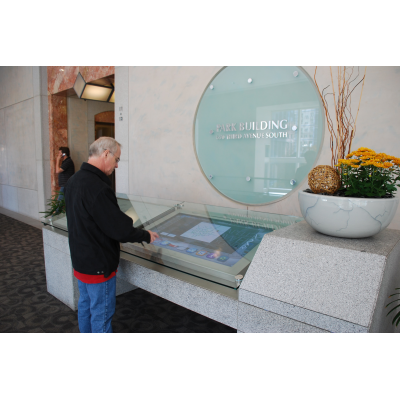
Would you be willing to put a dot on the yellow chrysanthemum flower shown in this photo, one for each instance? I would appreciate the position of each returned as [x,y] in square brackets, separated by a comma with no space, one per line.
[363,149]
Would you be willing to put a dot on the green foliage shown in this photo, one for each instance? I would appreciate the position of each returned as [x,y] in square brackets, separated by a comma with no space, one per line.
[365,173]
[396,318]
[55,206]
[368,181]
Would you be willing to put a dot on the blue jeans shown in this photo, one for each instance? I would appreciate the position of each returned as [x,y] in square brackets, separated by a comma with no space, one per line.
[61,195]
[96,306]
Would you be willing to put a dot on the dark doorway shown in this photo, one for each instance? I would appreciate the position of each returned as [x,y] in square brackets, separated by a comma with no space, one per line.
[105,129]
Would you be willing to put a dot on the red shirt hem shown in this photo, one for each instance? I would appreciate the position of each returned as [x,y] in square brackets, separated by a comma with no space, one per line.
[85,278]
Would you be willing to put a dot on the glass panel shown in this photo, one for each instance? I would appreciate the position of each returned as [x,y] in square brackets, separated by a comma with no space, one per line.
[258,132]
[213,243]
[98,93]
[79,85]
[112,100]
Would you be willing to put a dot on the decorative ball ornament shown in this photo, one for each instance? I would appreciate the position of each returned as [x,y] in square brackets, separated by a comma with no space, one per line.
[324,179]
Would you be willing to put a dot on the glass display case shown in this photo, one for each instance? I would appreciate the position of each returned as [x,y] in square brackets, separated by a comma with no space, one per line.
[209,242]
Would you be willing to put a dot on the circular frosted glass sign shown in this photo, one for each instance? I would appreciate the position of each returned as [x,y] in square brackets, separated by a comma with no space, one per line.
[258,132]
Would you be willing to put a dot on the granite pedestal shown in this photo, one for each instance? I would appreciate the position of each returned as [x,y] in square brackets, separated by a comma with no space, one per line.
[301,278]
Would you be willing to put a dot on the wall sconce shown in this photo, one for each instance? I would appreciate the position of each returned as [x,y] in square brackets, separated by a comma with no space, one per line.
[92,91]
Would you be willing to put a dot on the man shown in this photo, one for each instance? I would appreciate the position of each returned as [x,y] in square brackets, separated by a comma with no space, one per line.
[96,226]
[65,168]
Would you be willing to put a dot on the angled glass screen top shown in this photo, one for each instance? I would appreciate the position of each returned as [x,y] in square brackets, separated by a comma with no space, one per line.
[208,242]
[258,132]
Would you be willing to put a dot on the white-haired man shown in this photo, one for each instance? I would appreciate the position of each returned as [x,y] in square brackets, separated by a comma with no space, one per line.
[96,226]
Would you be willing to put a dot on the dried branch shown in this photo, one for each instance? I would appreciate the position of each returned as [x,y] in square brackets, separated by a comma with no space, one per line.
[343,132]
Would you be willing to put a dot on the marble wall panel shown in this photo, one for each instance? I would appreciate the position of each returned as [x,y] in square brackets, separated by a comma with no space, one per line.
[28,203]
[121,177]
[36,80]
[47,179]
[41,196]
[95,72]
[91,134]
[122,111]
[37,119]
[10,197]
[3,150]
[61,78]
[44,109]
[20,144]
[16,85]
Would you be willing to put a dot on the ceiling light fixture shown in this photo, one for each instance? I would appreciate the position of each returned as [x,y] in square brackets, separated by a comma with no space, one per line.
[91,91]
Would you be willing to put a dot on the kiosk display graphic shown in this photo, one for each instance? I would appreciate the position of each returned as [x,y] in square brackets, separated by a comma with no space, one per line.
[216,241]
[205,232]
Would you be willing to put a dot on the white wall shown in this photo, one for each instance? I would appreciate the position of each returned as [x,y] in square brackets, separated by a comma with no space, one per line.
[158,109]
[81,126]
[24,140]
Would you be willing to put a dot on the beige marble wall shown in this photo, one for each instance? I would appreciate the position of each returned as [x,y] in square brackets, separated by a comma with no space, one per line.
[23,134]
[122,127]
[16,85]
[162,103]
[20,145]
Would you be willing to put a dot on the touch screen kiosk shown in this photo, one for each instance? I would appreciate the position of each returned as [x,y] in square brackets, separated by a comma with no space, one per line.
[213,243]
[209,242]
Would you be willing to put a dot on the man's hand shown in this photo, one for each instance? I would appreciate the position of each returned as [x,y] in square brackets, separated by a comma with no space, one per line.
[59,162]
[153,236]
[59,156]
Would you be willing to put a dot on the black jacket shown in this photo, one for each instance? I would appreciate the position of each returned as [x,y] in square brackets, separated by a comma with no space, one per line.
[96,225]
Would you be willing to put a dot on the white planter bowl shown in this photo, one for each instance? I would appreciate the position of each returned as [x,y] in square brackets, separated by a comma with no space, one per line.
[348,217]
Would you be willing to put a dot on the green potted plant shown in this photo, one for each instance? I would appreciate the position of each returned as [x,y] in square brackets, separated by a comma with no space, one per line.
[55,206]
[396,318]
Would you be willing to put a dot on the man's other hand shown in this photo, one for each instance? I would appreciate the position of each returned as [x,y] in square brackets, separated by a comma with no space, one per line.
[153,236]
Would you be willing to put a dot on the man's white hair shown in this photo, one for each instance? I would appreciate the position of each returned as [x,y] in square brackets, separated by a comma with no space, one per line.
[101,144]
